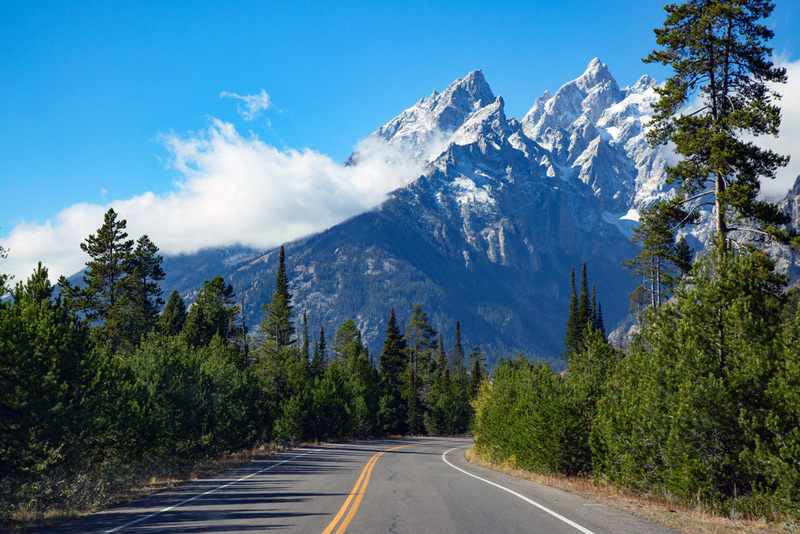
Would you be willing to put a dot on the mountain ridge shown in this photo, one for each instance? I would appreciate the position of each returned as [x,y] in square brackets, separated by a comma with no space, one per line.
[489,232]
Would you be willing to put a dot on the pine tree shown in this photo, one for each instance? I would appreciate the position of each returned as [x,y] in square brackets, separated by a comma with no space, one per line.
[320,360]
[393,359]
[657,261]
[441,358]
[345,337]
[717,51]
[599,323]
[277,325]
[457,356]
[304,352]
[212,313]
[174,315]
[393,362]
[584,306]
[683,257]
[572,338]
[120,294]
[477,372]
[144,292]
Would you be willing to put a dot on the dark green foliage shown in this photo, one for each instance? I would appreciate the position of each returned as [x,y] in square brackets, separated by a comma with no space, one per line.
[584,310]
[718,51]
[420,344]
[277,325]
[144,293]
[45,377]
[687,406]
[171,321]
[344,338]
[104,298]
[660,261]
[477,372]
[393,358]
[521,415]
[320,360]
[305,349]
[572,338]
[120,294]
[585,314]
[191,400]
[212,313]
[457,355]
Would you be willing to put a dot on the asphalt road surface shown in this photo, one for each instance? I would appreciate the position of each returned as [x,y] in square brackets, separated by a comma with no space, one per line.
[417,485]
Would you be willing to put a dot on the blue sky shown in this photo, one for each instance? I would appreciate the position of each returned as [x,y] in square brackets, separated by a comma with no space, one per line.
[117,103]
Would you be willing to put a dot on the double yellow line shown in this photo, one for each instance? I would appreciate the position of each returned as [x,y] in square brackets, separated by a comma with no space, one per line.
[358,491]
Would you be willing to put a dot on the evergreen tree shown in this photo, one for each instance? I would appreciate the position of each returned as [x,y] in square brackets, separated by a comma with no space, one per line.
[599,323]
[420,343]
[46,381]
[120,295]
[441,358]
[457,356]
[212,313]
[144,293]
[717,51]
[657,261]
[277,325]
[304,351]
[572,338]
[320,360]
[688,404]
[174,315]
[584,306]
[683,257]
[345,337]
[478,371]
[393,362]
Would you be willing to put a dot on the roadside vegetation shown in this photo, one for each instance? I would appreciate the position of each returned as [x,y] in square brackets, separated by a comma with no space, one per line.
[702,408]
[101,390]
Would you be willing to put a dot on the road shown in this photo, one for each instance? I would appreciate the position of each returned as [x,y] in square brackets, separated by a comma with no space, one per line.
[415,485]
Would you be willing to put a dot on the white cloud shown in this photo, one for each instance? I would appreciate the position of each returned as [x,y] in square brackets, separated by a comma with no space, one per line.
[230,190]
[788,142]
[253,104]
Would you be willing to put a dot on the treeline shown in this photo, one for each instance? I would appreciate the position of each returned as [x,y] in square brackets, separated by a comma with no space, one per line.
[704,406]
[98,386]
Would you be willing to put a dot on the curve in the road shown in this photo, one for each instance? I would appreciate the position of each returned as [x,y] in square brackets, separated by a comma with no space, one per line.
[512,492]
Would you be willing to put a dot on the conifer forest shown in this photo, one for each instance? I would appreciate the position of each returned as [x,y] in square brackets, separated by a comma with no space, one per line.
[104,380]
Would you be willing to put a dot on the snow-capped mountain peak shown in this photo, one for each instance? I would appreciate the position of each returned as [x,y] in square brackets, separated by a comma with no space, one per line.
[433,119]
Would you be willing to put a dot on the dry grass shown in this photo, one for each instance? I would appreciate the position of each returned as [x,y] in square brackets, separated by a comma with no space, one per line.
[31,520]
[683,518]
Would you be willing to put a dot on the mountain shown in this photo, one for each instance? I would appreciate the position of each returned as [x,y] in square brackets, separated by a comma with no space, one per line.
[489,232]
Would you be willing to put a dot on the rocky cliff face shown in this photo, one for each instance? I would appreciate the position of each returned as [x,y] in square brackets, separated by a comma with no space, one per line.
[488,233]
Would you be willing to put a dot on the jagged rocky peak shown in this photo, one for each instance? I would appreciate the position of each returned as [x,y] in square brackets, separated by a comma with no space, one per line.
[574,105]
[596,75]
[488,122]
[642,84]
[441,112]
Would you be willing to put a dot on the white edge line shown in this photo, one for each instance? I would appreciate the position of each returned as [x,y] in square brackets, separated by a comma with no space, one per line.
[536,504]
[126,525]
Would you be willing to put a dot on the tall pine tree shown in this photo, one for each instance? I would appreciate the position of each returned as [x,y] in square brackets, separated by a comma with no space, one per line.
[278,325]
[717,50]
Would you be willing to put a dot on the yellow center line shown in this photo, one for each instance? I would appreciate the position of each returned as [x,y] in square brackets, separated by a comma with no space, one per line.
[360,489]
